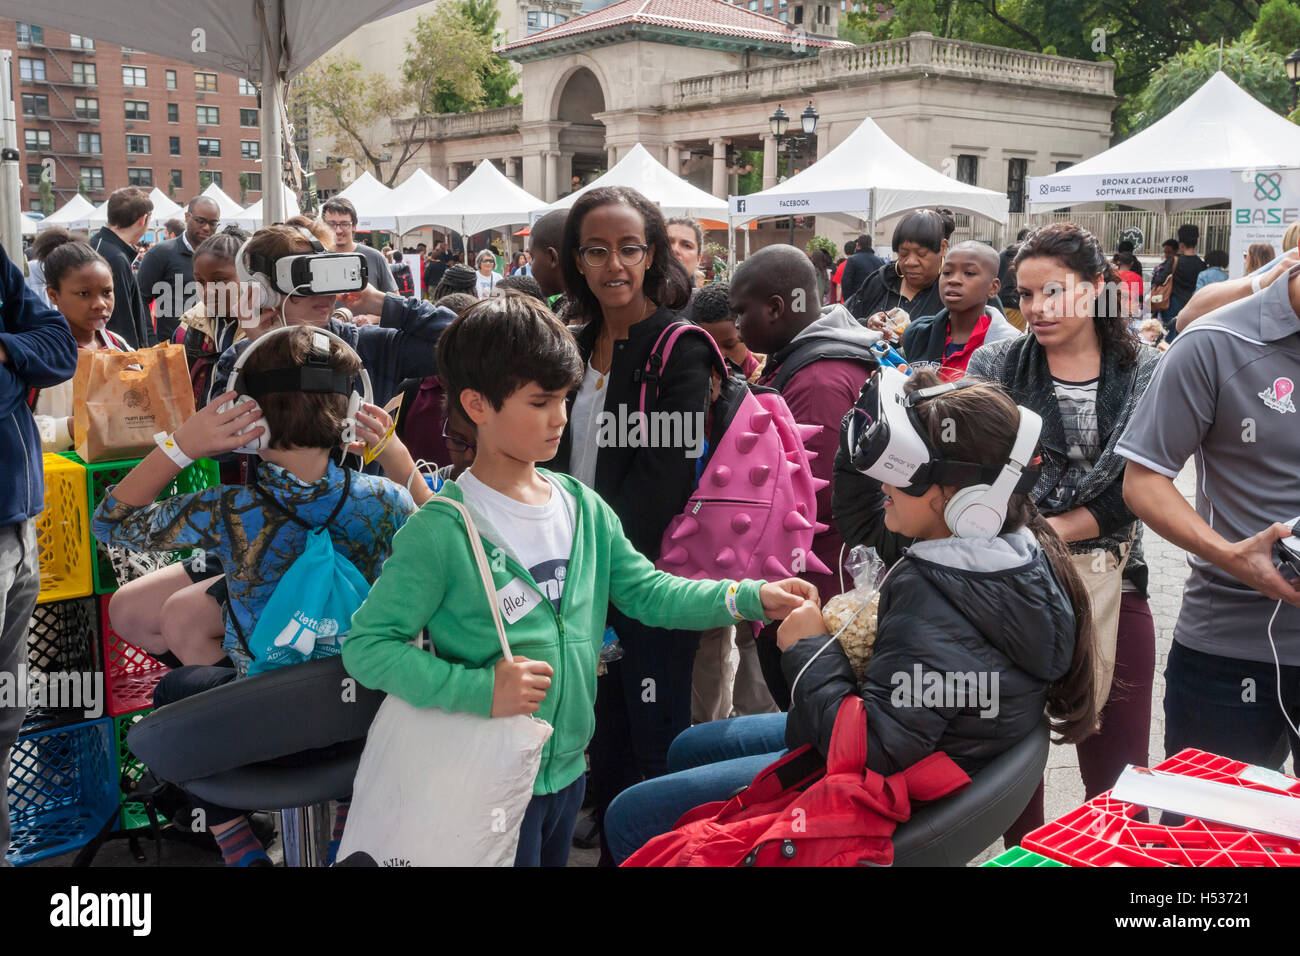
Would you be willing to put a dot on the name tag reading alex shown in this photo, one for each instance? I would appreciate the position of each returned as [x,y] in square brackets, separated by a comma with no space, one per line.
[516,599]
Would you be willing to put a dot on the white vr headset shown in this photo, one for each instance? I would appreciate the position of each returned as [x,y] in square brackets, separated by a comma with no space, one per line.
[887,441]
[316,375]
[314,273]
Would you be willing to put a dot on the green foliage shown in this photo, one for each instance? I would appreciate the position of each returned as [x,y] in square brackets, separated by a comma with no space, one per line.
[752,181]
[1278,26]
[863,26]
[821,242]
[496,75]
[47,197]
[913,16]
[1258,71]
[243,188]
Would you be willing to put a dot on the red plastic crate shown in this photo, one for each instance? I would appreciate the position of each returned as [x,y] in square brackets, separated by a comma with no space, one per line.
[1103,832]
[130,674]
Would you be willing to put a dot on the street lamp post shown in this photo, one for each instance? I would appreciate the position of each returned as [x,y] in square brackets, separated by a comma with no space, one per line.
[780,123]
[1293,74]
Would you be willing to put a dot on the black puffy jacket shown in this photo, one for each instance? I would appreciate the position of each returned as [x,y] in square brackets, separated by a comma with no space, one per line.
[987,614]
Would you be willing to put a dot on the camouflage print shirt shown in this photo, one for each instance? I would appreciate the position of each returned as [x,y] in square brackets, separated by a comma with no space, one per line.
[255,543]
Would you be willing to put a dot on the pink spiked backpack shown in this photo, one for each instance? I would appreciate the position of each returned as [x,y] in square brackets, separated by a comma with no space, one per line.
[753,513]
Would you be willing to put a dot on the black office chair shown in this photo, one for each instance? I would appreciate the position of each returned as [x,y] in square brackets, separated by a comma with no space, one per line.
[289,739]
[954,830]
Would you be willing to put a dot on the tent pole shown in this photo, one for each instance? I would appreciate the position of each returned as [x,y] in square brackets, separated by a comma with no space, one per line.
[273,204]
[11,227]
[747,231]
[731,248]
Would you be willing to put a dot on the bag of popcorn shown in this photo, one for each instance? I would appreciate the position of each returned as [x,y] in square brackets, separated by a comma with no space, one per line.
[851,616]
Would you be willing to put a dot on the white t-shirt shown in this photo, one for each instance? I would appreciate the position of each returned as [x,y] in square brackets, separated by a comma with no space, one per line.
[585,419]
[541,535]
[484,284]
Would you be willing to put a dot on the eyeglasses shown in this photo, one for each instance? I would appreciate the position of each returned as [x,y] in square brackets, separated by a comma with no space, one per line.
[206,222]
[456,443]
[632,254]
[337,224]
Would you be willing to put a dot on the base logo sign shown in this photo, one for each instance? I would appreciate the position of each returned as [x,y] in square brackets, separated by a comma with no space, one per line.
[1264,203]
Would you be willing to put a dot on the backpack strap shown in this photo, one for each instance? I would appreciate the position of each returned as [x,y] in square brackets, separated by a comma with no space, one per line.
[662,351]
[276,506]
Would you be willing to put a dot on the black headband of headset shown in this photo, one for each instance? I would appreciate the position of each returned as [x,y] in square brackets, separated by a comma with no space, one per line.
[296,378]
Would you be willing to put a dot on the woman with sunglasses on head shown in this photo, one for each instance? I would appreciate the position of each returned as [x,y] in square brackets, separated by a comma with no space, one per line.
[625,286]
[1083,370]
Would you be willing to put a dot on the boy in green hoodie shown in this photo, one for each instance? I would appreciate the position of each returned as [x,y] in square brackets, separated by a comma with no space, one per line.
[508,364]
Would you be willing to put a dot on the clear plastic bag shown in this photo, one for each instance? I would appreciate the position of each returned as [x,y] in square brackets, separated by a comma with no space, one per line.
[851,616]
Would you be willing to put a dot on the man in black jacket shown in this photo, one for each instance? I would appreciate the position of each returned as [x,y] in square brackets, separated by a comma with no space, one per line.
[860,265]
[128,217]
[166,274]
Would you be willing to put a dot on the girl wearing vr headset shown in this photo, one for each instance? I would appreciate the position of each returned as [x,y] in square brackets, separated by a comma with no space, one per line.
[1081,369]
[987,590]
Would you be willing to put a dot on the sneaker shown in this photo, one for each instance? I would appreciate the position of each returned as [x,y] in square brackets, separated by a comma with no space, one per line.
[586,836]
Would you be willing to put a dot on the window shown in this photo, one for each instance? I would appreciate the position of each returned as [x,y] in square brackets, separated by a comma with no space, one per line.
[88,143]
[92,177]
[137,145]
[31,70]
[139,177]
[134,76]
[83,43]
[137,109]
[34,174]
[246,88]
[36,104]
[87,107]
[176,180]
[30,34]
[171,79]
[209,176]
[173,145]
[1063,164]
[539,20]
[85,73]
[205,82]
[254,182]
[209,147]
[967,168]
[208,115]
[249,149]
[36,139]
[248,117]
[1016,170]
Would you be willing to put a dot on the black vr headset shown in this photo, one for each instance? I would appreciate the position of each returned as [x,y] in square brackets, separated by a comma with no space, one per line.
[887,441]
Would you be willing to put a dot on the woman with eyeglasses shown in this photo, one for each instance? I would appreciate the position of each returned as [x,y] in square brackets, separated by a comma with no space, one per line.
[625,286]
[485,282]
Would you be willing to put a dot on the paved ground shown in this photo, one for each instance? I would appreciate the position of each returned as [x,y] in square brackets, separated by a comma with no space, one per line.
[1168,570]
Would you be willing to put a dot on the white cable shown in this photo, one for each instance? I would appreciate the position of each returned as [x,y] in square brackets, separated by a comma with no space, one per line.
[1277,664]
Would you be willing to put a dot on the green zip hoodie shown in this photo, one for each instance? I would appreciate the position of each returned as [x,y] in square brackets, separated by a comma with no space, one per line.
[431,580]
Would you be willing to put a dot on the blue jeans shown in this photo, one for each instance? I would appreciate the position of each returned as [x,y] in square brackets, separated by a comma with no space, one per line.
[547,830]
[707,762]
[1205,709]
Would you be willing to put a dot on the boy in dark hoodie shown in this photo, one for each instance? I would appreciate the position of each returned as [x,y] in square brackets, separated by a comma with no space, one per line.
[946,341]
[819,362]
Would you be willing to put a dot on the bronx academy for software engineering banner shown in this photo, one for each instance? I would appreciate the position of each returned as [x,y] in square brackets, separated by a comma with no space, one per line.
[1264,203]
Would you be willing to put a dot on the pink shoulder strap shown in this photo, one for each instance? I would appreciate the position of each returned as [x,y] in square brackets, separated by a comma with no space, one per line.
[672,334]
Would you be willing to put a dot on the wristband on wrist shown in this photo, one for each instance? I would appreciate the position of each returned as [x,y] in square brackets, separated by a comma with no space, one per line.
[172,450]
[1255,287]
[733,590]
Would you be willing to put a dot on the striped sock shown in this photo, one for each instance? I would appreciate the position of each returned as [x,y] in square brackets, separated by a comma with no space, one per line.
[341,818]
[239,846]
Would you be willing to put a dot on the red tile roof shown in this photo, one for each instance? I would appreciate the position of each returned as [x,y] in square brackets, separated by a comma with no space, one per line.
[695,16]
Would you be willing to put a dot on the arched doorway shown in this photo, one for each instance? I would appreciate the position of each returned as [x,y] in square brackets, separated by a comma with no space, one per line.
[580,99]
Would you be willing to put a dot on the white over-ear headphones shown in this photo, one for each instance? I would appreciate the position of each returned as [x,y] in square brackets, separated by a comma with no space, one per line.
[315,376]
[261,293]
[978,511]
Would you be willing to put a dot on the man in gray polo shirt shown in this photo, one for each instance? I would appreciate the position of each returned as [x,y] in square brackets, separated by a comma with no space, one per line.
[1224,392]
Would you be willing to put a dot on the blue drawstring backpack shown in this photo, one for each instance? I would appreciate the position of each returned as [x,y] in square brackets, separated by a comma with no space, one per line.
[310,611]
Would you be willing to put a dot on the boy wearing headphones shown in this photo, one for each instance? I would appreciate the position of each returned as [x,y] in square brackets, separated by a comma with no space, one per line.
[300,405]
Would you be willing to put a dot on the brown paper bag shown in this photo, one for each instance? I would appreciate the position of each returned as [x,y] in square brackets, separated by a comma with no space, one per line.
[122,399]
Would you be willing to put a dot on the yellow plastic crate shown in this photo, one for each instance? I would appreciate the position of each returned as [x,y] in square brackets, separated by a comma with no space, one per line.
[63,533]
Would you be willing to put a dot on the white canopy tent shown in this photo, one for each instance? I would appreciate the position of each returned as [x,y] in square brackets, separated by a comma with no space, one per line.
[485,200]
[868,176]
[369,196]
[254,217]
[266,41]
[1185,160]
[73,215]
[419,191]
[230,210]
[641,171]
[28,225]
[163,209]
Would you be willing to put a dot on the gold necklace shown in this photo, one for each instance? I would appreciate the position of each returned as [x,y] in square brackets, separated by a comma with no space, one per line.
[600,382]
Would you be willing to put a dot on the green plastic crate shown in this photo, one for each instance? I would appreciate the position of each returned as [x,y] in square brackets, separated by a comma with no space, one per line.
[130,770]
[100,476]
[1021,857]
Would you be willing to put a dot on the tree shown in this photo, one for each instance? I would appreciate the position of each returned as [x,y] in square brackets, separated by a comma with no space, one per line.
[367,116]
[243,188]
[863,26]
[496,76]
[1258,71]
[1278,26]
[913,16]
[47,197]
